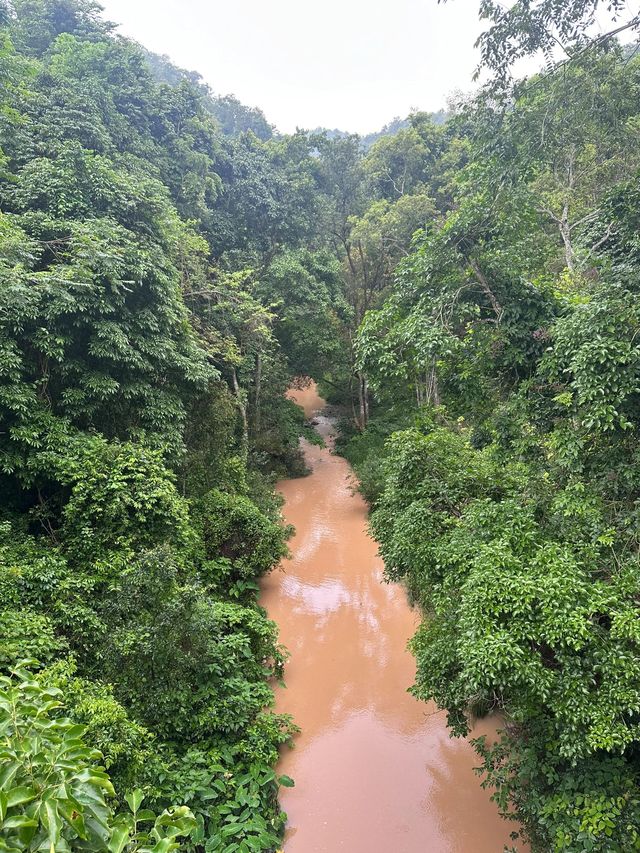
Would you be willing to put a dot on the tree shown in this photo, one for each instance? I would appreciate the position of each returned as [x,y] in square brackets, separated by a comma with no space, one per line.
[38,22]
[402,162]
[572,137]
[545,26]
[140,373]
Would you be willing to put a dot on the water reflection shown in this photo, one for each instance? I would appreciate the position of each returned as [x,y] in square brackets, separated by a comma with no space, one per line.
[321,598]
[375,769]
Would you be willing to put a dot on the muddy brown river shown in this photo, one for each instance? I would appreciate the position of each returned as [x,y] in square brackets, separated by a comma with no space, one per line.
[375,770]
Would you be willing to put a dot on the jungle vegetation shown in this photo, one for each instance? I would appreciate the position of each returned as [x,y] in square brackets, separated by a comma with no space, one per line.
[464,286]
[500,452]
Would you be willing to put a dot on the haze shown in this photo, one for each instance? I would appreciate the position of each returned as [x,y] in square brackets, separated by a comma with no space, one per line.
[351,64]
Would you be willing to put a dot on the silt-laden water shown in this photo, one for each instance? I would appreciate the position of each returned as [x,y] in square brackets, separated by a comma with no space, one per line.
[375,769]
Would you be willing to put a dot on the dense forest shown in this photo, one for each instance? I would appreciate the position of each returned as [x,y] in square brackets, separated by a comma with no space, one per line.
[464,289]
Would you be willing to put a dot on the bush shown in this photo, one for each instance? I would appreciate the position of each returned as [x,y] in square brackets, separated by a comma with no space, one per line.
[123,498]
[53,790]
[186,665]
[528,615]
[232,527]
[25,632]
[125,745]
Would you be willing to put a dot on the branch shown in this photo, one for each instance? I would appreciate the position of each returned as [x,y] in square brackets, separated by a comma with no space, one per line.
[497,308]
[603,240]
[589,216]
[548,212]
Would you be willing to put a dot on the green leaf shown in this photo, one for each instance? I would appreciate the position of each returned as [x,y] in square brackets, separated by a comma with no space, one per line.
[134,799]
[51,820]
[71,810]
[119,839]
[165,845]
[16,796]
[18,821]
[145,815]
[7,774]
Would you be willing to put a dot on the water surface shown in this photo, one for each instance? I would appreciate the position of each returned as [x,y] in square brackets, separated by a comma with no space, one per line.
[375,769]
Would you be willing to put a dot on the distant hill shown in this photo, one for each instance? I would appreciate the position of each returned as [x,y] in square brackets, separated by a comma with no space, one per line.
[232,115]
[389,129]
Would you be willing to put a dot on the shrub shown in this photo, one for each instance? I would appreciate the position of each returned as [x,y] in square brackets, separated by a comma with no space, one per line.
[232,527]
[123,498]
[53,790]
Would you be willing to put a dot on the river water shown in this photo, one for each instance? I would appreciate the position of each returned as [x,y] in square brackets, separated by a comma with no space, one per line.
[375,770]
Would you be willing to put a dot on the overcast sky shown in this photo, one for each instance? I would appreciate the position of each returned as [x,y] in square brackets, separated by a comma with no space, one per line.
[351,64]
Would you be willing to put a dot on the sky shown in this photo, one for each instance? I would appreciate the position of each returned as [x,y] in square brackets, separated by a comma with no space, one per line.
[347,64]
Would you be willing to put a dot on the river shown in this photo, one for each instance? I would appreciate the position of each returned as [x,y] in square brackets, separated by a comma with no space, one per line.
[375,770]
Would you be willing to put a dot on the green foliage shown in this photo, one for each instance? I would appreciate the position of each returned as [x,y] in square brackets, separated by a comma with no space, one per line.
[468,290]
[506,498]
[125,745]
[366,449]
[589,805]
[141,830]
[400,164]
[596,354]
[27,632]
[52,791]
[232,527]
[141,405]
[122,499]
[525,29]
[187,665]
[235,796]
[528,616]
[306,291]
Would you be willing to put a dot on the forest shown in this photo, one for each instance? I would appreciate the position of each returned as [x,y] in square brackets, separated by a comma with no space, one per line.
[464,288]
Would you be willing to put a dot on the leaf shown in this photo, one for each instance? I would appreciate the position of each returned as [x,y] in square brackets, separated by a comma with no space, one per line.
[134,799]
[119,839]
[7,774]
[51,820]
[71,811]
[16,796]
[18,821]
[144,815]
[286,781]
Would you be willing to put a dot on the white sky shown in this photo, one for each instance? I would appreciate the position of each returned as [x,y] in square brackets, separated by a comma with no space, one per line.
[351,64]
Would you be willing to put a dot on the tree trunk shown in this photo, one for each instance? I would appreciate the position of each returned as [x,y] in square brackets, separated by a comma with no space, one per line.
[432,392]
[366,400]
[363,400]
[258,382]
[563,222]
[565,233]
[484,284]
[353,404]
[242,408]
